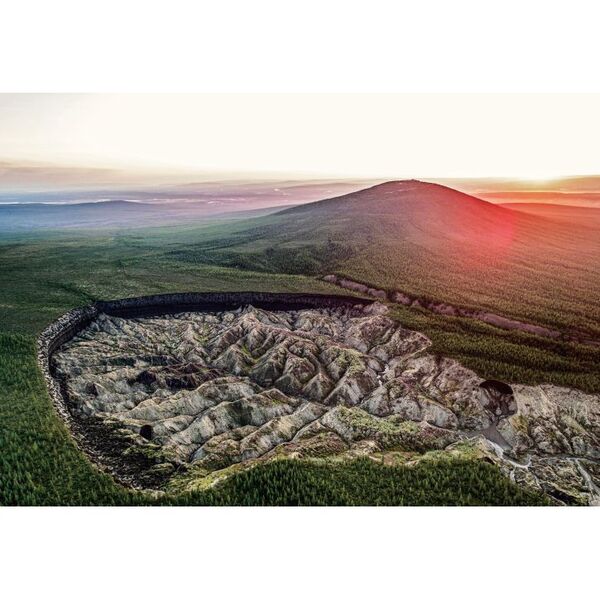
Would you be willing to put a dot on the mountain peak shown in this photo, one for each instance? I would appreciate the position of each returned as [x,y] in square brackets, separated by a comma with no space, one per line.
[400,184]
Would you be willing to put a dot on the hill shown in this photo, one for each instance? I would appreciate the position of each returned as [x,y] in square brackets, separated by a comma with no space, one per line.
[434,242]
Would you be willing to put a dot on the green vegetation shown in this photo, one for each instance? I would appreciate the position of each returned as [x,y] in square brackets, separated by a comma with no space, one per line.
[42,277]
[302,483]
[39,462]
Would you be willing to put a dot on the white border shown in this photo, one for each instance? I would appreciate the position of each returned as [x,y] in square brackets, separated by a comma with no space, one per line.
[292,46]
[298,553]
[326,46]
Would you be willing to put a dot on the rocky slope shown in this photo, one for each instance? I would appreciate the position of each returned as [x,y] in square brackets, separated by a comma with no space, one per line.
[230,388]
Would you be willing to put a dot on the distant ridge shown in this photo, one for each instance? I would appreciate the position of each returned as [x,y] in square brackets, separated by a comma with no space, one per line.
[75,203]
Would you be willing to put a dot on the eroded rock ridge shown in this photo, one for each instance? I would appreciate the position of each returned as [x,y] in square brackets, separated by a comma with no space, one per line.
[223,388]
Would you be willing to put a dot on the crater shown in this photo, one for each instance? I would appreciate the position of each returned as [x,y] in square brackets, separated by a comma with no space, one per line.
[153,387]
[223,387]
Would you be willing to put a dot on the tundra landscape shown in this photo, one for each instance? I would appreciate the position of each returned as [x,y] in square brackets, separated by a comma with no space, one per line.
[449,353]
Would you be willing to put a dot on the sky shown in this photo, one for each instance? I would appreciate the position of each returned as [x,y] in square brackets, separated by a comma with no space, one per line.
[387,136]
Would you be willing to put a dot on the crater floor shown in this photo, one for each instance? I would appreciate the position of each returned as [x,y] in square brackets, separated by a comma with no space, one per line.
[233,387]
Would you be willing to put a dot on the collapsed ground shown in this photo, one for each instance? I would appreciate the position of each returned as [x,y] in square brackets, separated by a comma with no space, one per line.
[205,395]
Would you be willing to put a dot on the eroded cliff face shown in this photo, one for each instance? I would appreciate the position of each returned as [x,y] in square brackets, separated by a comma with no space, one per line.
[218,389]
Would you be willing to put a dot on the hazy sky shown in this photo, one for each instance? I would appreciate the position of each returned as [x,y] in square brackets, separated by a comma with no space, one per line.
[356,136]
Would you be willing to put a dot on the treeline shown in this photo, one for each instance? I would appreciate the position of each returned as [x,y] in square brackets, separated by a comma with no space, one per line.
[363,482]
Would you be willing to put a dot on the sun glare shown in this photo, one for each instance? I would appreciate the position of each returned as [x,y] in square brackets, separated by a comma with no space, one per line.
[541,179]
